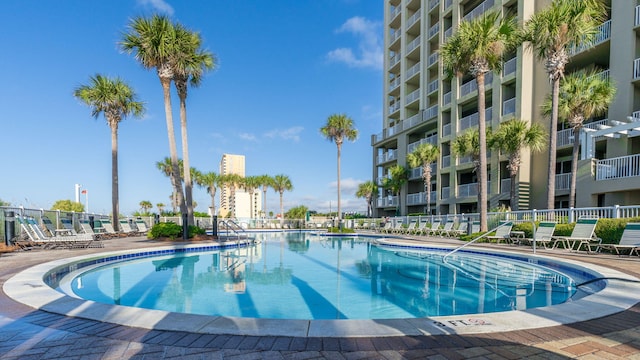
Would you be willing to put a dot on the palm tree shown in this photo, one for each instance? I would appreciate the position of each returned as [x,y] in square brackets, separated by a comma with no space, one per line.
[116,100]
[338,128]
[281,183]
[366,190]
[189,65]
[266,182]
[398,176]
[511,137]
[424,155]
[477,47]
[550,33]
[210,181]
[250,184]
[166,167]
[160,207]
[583,95]
[145,205]
[231,181]
[155,43]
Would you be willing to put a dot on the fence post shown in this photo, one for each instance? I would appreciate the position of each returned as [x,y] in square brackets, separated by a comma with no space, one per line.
[9,227]
[616,211]
[534,215]
[571,215]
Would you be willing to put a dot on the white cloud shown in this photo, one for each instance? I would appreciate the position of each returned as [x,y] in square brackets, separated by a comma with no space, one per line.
[159,5]
[292,133]
[369,53]
[247,136]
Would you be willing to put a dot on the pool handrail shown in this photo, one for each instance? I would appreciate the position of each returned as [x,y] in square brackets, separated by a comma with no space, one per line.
[475,239]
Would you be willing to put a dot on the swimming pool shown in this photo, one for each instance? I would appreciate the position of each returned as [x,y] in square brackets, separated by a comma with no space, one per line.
[29,288]
[299,275]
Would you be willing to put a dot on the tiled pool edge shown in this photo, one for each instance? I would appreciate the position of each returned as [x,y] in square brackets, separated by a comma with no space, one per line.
[29,288]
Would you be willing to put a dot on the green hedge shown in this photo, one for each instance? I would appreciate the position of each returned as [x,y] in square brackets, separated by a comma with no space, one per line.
[172,231]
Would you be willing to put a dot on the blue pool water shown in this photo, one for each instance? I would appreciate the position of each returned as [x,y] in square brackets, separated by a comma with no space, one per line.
[304,276]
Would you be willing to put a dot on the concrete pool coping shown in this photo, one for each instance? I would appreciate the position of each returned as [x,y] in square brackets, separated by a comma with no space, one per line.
[29,288]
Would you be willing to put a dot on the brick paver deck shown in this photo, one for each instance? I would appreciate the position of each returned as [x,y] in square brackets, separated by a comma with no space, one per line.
[26,333]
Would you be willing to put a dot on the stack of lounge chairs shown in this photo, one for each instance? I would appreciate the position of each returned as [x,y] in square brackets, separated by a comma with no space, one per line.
[32,236]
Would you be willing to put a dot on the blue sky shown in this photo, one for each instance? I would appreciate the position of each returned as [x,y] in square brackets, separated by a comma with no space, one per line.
[284,66]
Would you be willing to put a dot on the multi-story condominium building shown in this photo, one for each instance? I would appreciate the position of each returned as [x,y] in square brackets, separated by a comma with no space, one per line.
[236,202]
[422,105]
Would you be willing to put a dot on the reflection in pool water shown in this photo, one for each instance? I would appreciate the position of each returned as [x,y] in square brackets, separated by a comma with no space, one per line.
[302,276]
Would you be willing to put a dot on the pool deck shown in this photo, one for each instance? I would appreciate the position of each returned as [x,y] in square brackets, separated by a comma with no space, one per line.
[27,333]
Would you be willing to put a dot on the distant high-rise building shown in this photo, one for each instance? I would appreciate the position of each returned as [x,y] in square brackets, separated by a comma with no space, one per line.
[421,105]
[235,201]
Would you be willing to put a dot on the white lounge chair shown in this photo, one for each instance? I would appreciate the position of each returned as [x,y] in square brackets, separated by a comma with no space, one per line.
[583,235]
[448,226]
[543,235]
[630,240]
[461,230]
[142,226]
[503,233]
[433,230]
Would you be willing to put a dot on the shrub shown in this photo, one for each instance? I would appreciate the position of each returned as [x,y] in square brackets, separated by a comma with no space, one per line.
[170,230]
[194,230]
[344,230]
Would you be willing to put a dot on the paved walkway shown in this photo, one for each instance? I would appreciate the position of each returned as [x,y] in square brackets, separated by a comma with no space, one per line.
[26,333]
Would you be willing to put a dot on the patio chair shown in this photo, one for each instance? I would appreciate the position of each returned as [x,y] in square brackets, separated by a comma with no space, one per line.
[448,226]
[630,240]
[125,227]
[410,228]
[433,230]
[543,235]
[419,229]
[583,235]
[68,225]
[503,233]
[142,227]
[461,230]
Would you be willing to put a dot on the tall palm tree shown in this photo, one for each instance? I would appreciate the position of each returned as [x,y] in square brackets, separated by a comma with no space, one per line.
[398,176]
[210,181]
[189,65]
[232,182]
[160,207]
[339,127]
[477,47]
[155,43]
[583,95]
[366,190]
[282,183]
[250,184]
[166,167]
[266,182]
[510,139]
[550,34]
[424,155]
[116,100]
[145,205]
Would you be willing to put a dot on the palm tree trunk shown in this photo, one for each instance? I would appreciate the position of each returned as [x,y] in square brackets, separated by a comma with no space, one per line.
[482,139]
[264,200]
[176,180]
[553,126]
[427,185]
[339,212]
[213,202]
[115,212]
[574,166]
[188,184]
[281,208]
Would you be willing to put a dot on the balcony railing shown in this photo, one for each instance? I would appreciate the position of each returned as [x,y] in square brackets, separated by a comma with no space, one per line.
[432,86]
[393,84]
[602,75]
[446,161]
[413,70]
[636,69]
[510,66]
[505,186]
[563,181]
[395,35]
[472,120]
[448,33]
[433,30]
[565,137]
[603,34]
[433,140]
[479,10]
[446,130]
[387,201]
[509,106]
[466,190]
[430,112]
[421,198]
[394,106]
[413,19]
[388,156]
[447,4]
[413,44]
[412,121]
[394,59]
[416,173]
[471,86]
[433,3]
[432,59]
[637,22]
[446,98]
[413,96]
[444,193]
[635,115]
[618,168]
[395,11]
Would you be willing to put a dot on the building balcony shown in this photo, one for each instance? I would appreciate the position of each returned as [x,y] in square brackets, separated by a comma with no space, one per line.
[413,70]
[445,192]
[432,59]
[387,201]
[433,140]
[434,30]
[416,173]
[505,186]
[565,136]
[393,107]
[433,4]
[509,67]
[394,83]
[394,59]
[479,10]
[472,85]
[509,107]
[432,86]
[446,98]
[448,33]
[618,168]
[412,97]
[430,113]
[446,161]
[395,35]
[446,130]
[603,34]
[472,120]
[412,121]
[637,18]
[421,198]
[414,44]
[395,11]
[563,181]
[413,19]
[390,155]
